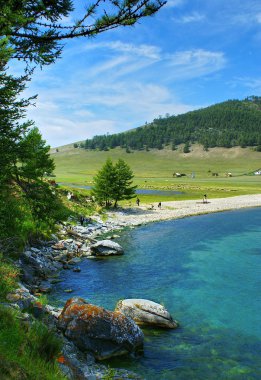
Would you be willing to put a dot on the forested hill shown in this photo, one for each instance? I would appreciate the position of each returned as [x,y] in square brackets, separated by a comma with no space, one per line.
[226,124]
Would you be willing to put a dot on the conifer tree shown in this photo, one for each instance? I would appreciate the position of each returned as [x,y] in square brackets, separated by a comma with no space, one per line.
[104,183]
[123,188]
[113,183]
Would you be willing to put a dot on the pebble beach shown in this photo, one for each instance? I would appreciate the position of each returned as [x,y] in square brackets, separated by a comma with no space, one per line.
[143,214]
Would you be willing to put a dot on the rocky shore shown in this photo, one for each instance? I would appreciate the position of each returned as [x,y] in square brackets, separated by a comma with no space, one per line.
[90,332]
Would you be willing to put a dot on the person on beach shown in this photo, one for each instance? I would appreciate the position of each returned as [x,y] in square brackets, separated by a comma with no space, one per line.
[82,220]
[138,201]
[159,205]
[205,198]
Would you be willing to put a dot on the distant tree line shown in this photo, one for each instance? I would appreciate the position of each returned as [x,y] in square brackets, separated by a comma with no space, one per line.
[227,124]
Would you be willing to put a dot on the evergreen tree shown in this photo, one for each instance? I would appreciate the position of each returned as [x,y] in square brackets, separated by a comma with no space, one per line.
[36,33]
[226,124]
[24,197]
[123,188]
[32,31]
[113,183]
[186,148]
[104,184]
[34,157]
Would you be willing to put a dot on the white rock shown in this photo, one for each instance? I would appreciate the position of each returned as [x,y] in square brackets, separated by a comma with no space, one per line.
[146,312]
[106,248]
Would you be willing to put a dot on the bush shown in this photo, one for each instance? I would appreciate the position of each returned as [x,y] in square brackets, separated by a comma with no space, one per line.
[8,277]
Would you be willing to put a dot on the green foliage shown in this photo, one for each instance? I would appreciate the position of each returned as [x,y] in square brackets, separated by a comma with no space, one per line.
[8,278]
[186,148]
[32,32]
[113,183]
[43,342]
[122,187]
[103,183]
[27,352]
[109,375]
[35,32]
[232,123]
[28,204]
[34,158]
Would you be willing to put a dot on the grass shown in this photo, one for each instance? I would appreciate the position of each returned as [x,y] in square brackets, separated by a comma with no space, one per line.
[27,352]
[8,277]
[154,170]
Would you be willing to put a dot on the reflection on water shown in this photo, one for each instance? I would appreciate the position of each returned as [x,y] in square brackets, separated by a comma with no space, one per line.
[206,271]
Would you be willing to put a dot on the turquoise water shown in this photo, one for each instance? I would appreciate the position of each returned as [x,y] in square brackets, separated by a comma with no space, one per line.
[206,270]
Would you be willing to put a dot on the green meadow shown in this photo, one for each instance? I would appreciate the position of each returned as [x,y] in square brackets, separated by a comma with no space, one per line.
[154,170]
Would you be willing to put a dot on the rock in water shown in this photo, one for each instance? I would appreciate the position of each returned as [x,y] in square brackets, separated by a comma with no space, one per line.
[146,312]
[104,333]
[106,248]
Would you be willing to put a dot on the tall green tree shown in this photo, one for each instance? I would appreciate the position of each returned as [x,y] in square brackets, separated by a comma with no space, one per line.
[25,198]
[123,188]
[34,157]
[104,182]
[113,183]
[34,32]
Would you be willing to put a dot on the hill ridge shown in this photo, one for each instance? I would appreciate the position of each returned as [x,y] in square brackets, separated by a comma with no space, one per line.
[227,124]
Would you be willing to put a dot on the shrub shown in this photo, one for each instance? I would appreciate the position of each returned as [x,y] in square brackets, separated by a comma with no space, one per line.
[8,277]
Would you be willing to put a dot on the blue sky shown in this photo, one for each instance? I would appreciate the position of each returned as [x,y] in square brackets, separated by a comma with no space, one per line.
[189,55]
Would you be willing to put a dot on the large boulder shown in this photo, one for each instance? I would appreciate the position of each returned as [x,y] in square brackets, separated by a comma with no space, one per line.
[146,312]
[38,264]
[102,332]
[106,248]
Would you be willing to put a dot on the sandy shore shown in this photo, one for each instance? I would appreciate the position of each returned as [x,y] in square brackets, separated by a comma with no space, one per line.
[179,209]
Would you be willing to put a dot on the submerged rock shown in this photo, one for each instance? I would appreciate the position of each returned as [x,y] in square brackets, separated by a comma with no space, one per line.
[106,248]
[146,312]
[102,332]
[78,365]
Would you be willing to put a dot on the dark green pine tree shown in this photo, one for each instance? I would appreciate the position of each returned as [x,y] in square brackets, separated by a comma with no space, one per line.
[113,183]
[186,148]
[104,184]
[123,188]
[34,157]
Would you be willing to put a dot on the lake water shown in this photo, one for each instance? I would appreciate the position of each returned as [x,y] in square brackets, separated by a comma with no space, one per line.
[138,191]
[206,271]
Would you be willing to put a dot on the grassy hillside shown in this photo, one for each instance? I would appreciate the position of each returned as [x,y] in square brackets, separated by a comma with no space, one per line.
[154,169]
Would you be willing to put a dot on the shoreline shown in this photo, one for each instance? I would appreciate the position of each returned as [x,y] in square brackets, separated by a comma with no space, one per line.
[143,214]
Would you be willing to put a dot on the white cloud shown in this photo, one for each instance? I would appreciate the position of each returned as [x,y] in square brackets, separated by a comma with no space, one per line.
[119,106]
[111,64]
[254,84]
[193,17]
[195,63]
[247,14]
[117,93]
[142,50]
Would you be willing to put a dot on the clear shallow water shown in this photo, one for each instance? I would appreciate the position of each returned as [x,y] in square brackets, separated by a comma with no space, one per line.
[207,271]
